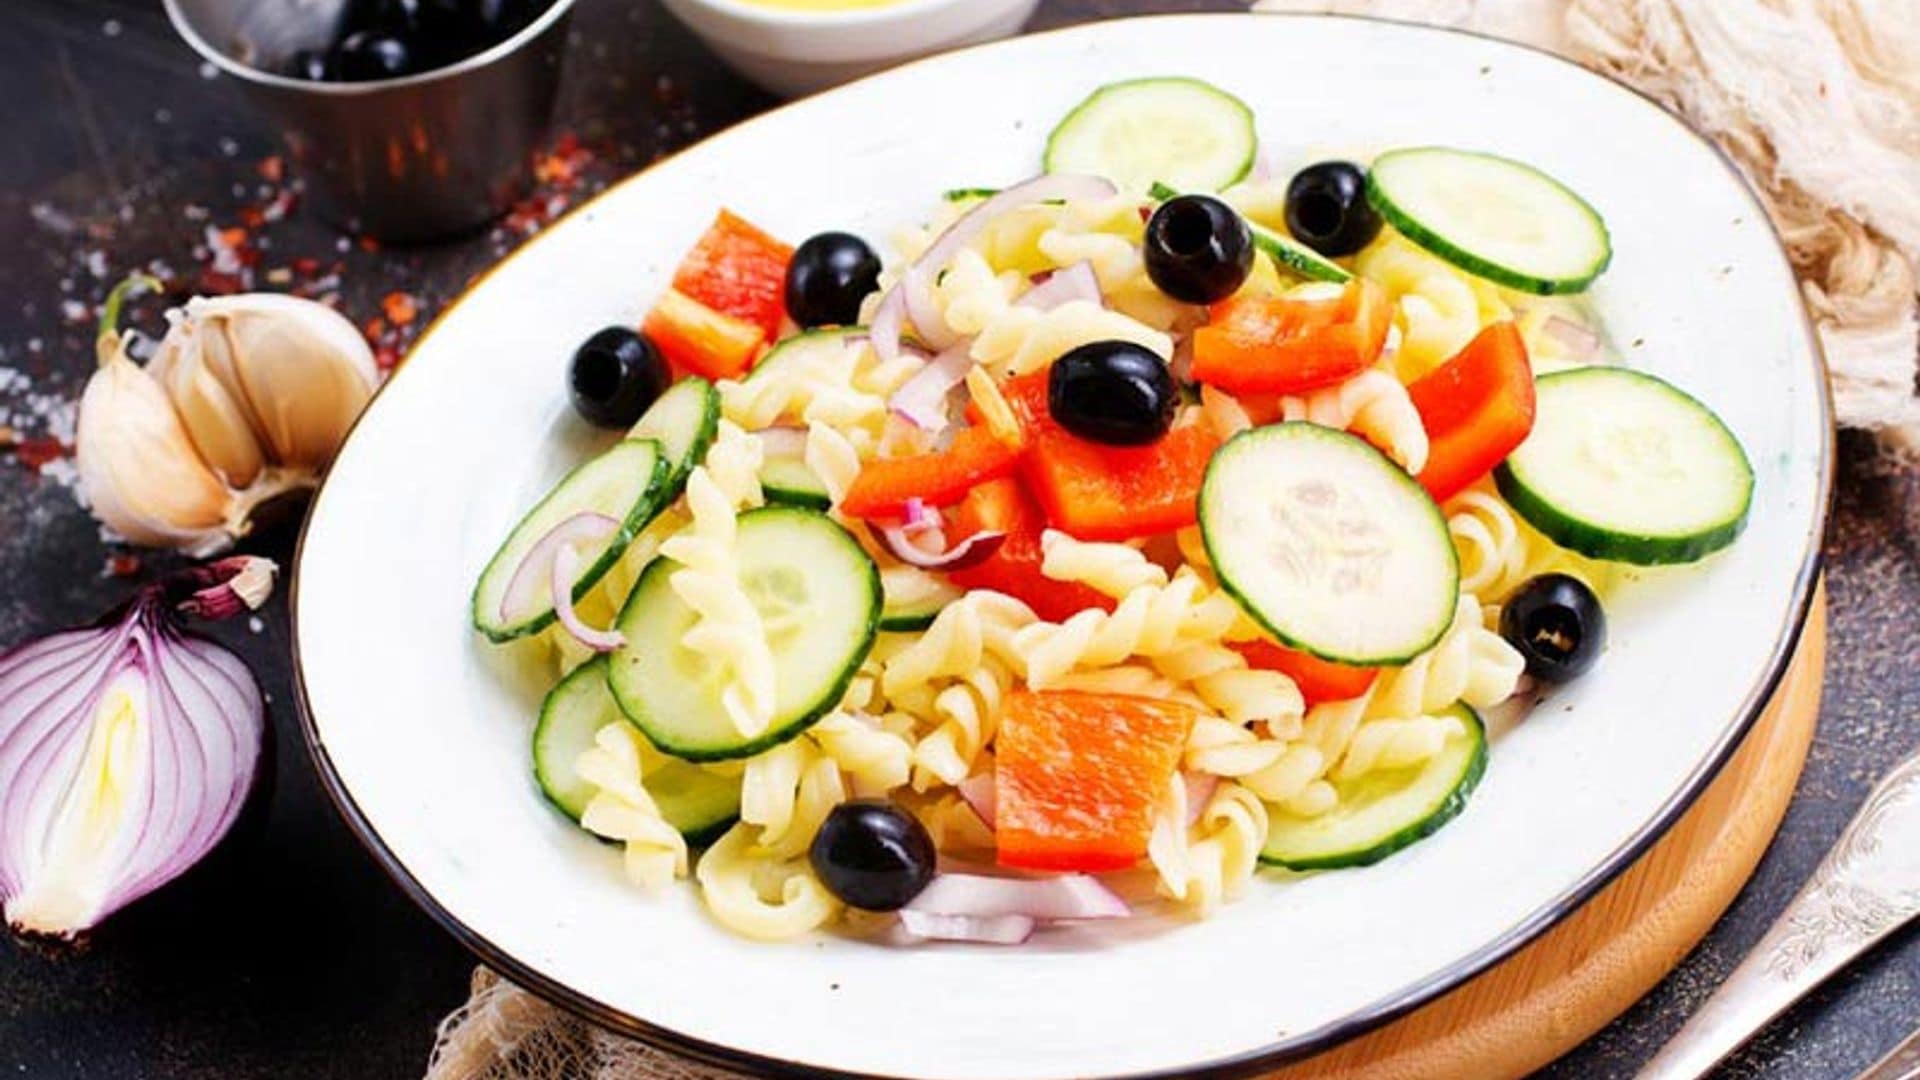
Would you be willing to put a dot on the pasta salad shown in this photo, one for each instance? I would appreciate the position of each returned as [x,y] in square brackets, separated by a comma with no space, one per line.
[1132,528]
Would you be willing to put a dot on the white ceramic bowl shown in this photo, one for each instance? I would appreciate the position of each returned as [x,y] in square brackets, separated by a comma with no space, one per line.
[798,52]
[422,736]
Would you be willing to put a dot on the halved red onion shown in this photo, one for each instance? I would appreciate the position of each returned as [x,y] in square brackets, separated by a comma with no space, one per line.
[980,795]
[1200,789]
[918,278]
[1076,282]
[1049,899]
[566,569]
[986,930]
[1580,342]
[783,442]
[969,552]
[534,576]
[127,750]
[925,400]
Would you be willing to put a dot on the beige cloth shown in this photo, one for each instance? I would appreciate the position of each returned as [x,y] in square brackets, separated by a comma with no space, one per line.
[1818,100]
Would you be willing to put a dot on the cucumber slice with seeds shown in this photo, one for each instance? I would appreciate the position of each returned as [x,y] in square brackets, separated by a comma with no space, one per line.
[698,803]
[1188,133]
[1289,254]
[629,483]
[1492,217]
[1330,546]
[1625,467]
[818,593]
[788,481]
[1383,812]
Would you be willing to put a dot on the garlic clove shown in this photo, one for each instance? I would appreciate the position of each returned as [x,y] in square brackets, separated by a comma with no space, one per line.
[215,419]
[139,468]
[302,369]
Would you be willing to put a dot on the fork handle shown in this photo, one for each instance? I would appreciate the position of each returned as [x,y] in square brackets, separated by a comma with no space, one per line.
[1867,887]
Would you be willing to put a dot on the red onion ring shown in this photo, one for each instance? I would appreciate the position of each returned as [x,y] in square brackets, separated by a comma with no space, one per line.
[980,794]
[1049,899]
[1581,343]
[984,930]
[923,400]
[533,577]
[972,551]
[918,278]
[566,568]
[783,442]
[1076,282]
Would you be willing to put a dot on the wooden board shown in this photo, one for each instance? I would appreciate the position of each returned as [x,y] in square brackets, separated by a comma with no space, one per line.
[1550,996]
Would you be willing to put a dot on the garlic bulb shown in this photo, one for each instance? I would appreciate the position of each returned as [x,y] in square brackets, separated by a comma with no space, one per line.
[247,397]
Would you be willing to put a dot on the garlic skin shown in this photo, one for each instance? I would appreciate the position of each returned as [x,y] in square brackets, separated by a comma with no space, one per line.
[291,373]
[247,397]
[142,475]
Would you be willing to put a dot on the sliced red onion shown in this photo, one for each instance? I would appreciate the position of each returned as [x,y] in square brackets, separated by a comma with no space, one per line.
[969,552]
[1581,343]
[1050,899]
[783,442]
[925,400]
[911,295]
[980,795]
[985,930]
[532,579]
[1076,282]
[172,724]
[566,569]
[1200,789]
[920,518]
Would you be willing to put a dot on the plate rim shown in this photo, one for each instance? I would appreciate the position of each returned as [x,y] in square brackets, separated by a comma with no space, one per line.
[1280,1051]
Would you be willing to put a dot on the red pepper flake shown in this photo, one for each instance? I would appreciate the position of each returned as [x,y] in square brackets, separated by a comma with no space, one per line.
[39,451]
[252,217]
[272,169]
[233,237]
[123,564]
[368,243]
[386,358]
[400,308]
[374,329]
[306,266]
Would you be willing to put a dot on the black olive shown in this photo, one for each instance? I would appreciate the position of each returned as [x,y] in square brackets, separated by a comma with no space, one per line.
[1327,208]
[1198,249]
[616,375]
[829,275]
[365,55]
[1113,392]
[872,855]
[1557,624]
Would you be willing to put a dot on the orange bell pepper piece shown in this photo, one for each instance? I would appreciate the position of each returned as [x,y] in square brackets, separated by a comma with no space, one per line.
[1003,506]
[1319,680]
[884,485]
[1477,407]
[697,340]
[738,270]
[1078,777]
[1282,345]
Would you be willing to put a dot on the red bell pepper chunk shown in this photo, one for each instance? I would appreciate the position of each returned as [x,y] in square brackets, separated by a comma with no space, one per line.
[1477,407]
[884,485]
[1077,777]
[1319,680]
[697,340]
[738,270]
[1003,506]
[1100,492]
[1274,344]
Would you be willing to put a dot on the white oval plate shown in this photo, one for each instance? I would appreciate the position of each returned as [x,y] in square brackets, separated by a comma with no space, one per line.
[424,740]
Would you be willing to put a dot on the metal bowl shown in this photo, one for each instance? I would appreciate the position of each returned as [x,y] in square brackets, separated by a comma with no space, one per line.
[414,158]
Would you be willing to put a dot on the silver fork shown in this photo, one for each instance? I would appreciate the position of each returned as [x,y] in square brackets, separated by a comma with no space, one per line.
[1867,887]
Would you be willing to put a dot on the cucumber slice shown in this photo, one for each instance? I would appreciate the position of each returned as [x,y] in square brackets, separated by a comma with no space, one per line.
[692,800]
[1189,133]
[1492,217]
[1381,813]
[628,482]
[1625,467]
[817,591]
[914,598]
[684,421]
[789,482]
[806,349]
[1289,254]
[1330,546]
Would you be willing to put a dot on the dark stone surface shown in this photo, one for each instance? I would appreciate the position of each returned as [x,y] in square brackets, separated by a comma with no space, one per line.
[292,955]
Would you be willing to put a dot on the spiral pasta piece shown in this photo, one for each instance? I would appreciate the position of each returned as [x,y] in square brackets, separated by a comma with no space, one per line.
[1114,569]
[872,760]
[966,713]
[1440,308]
[758,895]
[622,810]
[1373,405]
[961,636]
[1024,339]
[1470,663]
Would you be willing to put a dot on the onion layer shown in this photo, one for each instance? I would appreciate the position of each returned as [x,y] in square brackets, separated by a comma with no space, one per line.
[1068,896]
[127,750]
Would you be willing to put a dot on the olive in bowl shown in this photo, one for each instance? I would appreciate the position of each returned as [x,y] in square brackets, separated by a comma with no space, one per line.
[1327,208]
[828,277]
[1557,624]
[615,375]
[1113,392]
[1197,249]
[872,855]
